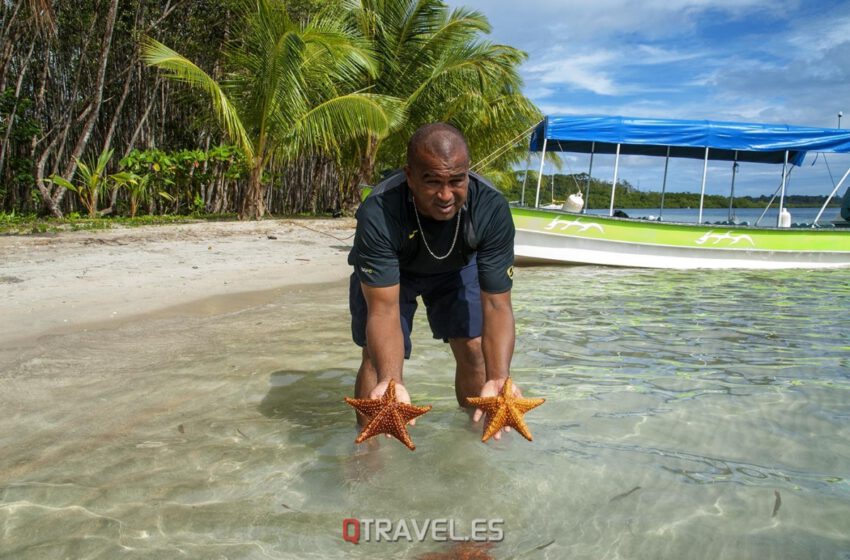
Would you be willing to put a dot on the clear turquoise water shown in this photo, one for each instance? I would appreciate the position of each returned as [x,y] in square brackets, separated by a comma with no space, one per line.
[678,404]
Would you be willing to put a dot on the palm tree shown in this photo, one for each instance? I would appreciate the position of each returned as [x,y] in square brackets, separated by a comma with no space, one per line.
[290,89]
[435,61]
[94,181]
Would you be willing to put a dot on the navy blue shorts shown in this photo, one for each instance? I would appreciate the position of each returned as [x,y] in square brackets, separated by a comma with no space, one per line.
[452,301]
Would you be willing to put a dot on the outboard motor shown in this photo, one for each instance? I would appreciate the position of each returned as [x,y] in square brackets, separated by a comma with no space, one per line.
[574,203]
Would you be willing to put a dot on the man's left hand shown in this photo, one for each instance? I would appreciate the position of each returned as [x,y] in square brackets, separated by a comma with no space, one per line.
[492,388]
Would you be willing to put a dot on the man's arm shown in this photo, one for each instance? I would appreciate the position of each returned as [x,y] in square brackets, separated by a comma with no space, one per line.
[497,345]
[384,339]
[498,334]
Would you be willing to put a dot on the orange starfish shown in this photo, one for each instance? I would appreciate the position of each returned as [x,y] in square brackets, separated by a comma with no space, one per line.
[388,416]
[505,410]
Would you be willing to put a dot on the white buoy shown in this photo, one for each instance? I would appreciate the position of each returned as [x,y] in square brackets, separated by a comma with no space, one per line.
[574,203]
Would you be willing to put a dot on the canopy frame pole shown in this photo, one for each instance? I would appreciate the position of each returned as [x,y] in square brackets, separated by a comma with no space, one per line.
[553,182]
[524,179]
[732,190]
[702,188]
[782,190]
[829,198]
[664,182]
[614,184]
[589,178]
[540,174]
[772,198]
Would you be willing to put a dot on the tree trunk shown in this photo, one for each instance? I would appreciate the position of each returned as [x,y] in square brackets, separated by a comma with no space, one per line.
[7,40]
[253,205]
[351,197]
[96,102]
[10,122]
[50,205]
[142,121]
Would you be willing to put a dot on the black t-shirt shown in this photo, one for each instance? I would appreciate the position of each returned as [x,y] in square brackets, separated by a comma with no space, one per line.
[388,243]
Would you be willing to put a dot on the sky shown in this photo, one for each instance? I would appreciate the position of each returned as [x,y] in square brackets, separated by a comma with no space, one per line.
[782,61]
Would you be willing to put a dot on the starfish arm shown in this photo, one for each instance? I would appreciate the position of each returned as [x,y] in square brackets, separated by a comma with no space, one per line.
[487,404]
[398,429]
[515,420]
[524,405]
[408,411]
[495,422]
[369,407]
[377,425]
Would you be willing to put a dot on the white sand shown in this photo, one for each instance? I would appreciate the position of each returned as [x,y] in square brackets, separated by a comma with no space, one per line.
[65,281]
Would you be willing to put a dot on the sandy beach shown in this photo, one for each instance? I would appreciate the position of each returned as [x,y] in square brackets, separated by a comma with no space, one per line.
[61,282]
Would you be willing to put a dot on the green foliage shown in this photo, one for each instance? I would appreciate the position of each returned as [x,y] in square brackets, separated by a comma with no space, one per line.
[18,172]
[93,181]
[289,88]
[179,177]
[17,224]
[437,63]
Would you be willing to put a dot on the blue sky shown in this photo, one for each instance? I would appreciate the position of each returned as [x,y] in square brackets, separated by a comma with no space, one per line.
[782,61]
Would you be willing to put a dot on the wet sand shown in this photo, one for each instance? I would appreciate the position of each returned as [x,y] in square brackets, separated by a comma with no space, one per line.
[65,282]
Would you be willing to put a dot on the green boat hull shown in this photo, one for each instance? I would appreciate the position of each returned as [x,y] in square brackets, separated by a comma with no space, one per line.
[563,237]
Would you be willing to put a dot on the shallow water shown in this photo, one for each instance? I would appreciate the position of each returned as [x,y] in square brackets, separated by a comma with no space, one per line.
[678,405]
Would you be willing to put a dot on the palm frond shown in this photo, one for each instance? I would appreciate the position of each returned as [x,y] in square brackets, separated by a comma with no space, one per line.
[331,123]
[180,68]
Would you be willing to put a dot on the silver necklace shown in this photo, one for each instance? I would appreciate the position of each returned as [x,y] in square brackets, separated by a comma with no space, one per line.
[425,241]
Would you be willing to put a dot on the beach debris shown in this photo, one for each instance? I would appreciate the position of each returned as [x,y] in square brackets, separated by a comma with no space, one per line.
[241,434]
[777,502]
[388,416]
[505,410]
[272,236]
[181,429]
[624,494]
[542,546]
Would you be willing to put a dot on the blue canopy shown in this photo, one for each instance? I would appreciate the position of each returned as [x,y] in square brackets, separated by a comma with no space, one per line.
[764,143]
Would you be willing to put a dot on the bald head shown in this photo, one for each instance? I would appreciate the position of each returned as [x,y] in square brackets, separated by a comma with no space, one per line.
[437,170]
[437,139]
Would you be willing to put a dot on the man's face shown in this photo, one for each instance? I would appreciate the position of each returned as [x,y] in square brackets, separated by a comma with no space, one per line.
[439,184]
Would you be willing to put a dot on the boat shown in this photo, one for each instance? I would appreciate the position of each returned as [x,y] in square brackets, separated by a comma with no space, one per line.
[553,235]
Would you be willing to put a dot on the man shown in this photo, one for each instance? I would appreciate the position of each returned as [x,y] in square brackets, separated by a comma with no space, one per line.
[438,231]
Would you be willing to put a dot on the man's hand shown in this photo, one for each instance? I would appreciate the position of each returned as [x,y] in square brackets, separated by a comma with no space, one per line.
[401,395]
[492,388]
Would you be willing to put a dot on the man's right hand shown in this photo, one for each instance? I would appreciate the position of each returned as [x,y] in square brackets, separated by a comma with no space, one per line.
[401,394]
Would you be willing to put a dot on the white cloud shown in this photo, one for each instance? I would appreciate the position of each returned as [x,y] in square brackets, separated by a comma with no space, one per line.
[820,33]
[578,71]
[649,54]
